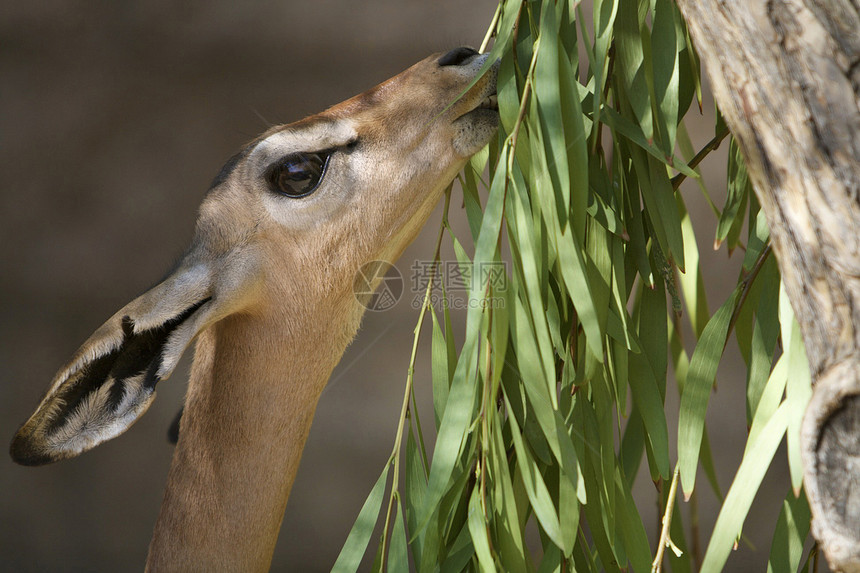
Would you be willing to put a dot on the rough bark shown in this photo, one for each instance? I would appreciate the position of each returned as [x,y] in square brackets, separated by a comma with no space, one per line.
[786,76]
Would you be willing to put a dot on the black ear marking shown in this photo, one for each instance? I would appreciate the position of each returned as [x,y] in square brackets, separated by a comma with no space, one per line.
[138,354]
[76,390]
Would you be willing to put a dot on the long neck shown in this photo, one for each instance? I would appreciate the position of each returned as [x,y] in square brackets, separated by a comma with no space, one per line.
[248,411]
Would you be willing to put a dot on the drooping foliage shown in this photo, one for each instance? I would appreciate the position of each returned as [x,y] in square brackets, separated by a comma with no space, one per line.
[556,398]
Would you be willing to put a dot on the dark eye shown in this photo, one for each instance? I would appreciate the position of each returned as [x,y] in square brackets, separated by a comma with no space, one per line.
[298,174]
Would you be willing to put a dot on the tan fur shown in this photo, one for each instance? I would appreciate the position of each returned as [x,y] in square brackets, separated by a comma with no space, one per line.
[266,290]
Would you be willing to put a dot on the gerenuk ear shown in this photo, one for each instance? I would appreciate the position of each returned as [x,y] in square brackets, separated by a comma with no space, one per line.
[111,380]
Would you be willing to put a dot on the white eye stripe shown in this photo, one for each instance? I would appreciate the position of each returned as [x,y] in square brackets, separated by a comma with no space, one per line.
[312,138]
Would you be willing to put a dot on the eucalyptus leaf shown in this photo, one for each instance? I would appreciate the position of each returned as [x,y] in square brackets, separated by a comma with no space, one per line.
[697,390]
[356,543]
[755,463]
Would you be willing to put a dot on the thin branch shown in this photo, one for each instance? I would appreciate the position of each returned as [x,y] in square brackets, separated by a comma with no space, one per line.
[491,31]
[523,103]
[712,145]
[665,539]
[486,409]
[404,409]
[512,139]
[747,283]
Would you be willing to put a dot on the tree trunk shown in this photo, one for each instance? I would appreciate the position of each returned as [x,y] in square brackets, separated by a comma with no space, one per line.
[786,76]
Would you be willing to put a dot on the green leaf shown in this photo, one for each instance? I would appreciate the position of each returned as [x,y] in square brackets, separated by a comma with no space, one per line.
[633,134]
[448,537]
[635,225]
[653,333]
[632,529]
[798,389]
[547,86]
[599,271]
[453,429]
[575,145]
[599,512]
[646,396]
[439,369]
[792,528]
[688,75]
[535,487]
[478,531]
[508,94]
[659,199]
[582,558]
[632,445]
[605,215]
[754,465]
[764,335]
[359,536]
[663,205]
[694,67]
[631,64]
[535,326]
[759,236]
[604,13]
[398,560]
[509,532]
[459,556]
[472,200]
[551,562]
[770,398]
[692,282]
[539,398]
[568,510]
[739,187]
[415,481]
[665,50]
[697,391]
[573,271]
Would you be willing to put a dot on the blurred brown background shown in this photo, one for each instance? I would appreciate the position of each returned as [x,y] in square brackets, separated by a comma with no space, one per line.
[114,117]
